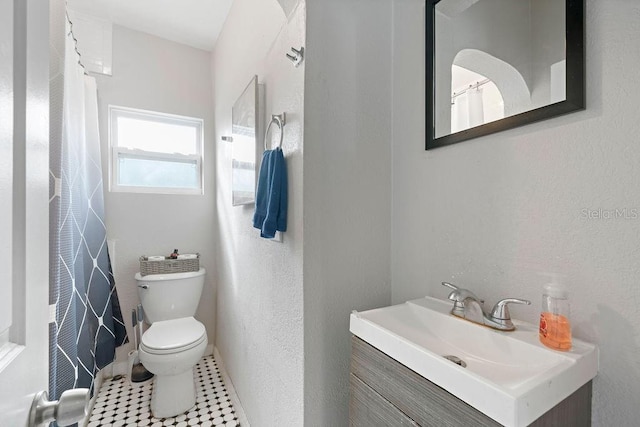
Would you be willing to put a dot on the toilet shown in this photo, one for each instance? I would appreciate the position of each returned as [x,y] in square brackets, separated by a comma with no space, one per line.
[175,341]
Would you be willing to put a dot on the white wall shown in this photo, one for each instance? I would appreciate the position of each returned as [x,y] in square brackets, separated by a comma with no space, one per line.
[155,74]
[260,323]
[346,204]
[497,213]
[288,6]
[347,189]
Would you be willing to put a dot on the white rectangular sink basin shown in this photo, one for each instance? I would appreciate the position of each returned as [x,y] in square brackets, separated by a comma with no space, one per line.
[510,376]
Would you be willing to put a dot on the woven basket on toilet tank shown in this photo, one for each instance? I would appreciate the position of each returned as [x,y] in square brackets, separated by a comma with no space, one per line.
[168,265]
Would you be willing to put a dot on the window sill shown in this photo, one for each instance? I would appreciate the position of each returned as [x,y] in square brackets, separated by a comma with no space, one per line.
[158,190]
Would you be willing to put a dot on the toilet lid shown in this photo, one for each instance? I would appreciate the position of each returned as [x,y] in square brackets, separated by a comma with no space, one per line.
[176,334]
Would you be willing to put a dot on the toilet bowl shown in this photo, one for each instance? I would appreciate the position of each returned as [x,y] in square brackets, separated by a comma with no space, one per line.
[175,341]
[170,349]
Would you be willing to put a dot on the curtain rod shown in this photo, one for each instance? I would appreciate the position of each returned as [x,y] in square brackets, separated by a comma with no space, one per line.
[472,86]
[75,41]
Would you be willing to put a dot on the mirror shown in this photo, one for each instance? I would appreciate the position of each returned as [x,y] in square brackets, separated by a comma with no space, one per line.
[498,64]
[246,116]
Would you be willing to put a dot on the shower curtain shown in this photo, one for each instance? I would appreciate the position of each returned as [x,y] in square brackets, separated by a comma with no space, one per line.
[467,110]
[88,322]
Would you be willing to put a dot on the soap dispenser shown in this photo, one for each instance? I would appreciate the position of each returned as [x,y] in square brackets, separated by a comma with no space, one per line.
[555,327]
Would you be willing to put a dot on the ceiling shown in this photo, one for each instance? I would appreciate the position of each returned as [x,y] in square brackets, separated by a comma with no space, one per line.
[195,23]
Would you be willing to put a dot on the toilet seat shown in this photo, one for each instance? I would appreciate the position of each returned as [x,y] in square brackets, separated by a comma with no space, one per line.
[173,336]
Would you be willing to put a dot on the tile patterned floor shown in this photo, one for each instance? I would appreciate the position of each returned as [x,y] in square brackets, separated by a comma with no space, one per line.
[119,404]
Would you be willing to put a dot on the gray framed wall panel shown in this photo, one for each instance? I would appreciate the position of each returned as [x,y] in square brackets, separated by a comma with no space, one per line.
[367,408]
[431,406]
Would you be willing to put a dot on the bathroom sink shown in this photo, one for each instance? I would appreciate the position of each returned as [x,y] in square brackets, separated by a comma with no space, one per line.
[509,376]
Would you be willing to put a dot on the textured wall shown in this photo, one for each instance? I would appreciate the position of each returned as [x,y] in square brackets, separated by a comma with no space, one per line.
[347,189]
[288,6]
[155,74]
[498,213]
[259,324]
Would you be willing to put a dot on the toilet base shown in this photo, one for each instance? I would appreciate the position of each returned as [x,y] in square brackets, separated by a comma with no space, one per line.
[173,394]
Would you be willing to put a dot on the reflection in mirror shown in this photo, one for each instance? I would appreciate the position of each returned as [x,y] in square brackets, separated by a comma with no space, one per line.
[475,99]
[497,59]
[245,118]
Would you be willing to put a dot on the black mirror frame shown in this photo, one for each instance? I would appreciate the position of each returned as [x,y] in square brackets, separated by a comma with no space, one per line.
[575,89]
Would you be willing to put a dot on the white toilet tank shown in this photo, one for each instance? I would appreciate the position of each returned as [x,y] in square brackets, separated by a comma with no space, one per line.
[170,296]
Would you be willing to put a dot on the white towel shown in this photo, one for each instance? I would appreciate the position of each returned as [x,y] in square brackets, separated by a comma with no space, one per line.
[155,258]
[188,256]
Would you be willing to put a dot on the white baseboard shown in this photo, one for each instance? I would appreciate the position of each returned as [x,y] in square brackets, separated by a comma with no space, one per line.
[242,417]
[119,368]
[96,390]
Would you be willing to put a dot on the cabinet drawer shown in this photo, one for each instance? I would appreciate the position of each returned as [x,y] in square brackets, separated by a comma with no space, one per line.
[422,401]
[431,406]
[367,408]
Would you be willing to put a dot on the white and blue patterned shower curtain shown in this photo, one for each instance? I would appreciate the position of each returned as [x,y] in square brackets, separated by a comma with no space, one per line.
[88,322]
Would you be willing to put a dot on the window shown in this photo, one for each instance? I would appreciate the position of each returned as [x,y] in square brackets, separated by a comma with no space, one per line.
[155,152]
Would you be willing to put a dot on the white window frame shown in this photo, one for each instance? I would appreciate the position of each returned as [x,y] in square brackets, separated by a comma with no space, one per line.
[115,151]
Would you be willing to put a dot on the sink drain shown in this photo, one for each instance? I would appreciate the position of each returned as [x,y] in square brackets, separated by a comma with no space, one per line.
[456,360]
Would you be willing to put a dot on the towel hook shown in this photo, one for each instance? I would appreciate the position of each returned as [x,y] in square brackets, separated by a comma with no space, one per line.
[297,57]
[280,120]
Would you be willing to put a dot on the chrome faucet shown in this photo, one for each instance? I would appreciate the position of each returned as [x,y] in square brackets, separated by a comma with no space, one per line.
[468,306]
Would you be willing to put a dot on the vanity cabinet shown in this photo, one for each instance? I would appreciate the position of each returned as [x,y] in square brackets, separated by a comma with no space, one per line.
[383,392]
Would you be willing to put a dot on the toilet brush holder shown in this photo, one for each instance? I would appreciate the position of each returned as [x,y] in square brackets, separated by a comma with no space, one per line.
[137,373]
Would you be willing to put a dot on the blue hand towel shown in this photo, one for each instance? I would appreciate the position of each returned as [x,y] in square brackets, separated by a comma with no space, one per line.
[271,197]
